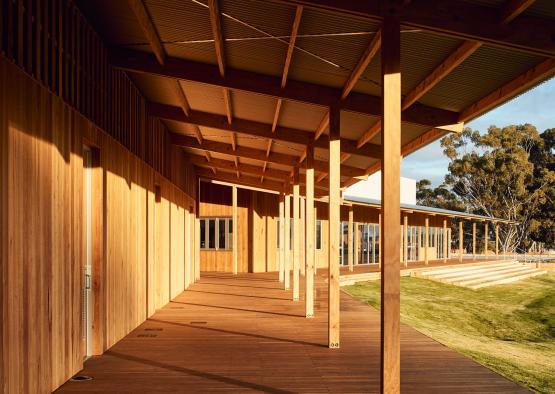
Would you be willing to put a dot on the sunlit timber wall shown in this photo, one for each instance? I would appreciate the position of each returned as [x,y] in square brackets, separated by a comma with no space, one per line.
[57,93]
[258,219]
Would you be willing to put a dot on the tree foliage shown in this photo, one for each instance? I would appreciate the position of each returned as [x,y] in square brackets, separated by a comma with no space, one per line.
[506,173]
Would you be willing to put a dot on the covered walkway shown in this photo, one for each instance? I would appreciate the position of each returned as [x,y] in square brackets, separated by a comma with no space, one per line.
[241,334]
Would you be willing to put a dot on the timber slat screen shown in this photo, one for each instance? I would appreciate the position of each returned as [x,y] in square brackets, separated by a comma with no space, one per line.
[52,41]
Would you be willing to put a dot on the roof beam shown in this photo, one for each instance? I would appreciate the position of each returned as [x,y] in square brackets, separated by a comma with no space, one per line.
[243,180]
[416,143]
[441,71]
[291,47]
[362,64]
[256,129]
[136,61]
[288,57]
[142,16]
[215,23]
[243,168]
[512,88]
[255,154]
[457,18]
[513,9]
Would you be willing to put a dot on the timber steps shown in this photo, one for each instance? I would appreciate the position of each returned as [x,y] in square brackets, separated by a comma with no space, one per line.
[482,275]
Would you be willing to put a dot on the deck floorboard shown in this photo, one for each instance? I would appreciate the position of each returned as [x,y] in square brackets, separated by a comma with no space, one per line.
[244,334]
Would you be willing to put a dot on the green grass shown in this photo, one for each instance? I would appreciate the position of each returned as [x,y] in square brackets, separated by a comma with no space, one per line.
[508,328]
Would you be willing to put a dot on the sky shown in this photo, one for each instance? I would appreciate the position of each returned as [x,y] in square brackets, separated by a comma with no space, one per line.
[536,107]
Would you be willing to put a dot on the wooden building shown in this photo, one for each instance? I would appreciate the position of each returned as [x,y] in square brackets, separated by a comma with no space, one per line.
[112,111]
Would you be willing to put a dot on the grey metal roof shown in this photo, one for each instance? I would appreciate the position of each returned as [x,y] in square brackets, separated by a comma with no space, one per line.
[421,208]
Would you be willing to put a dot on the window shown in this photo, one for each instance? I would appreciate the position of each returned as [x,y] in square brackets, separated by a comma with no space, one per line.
[216,233]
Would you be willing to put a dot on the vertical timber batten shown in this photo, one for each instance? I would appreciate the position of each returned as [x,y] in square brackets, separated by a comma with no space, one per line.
[486,238]
[309,228]
[333,233]
[391,204]
[426,240]
[296,236]
[234,230]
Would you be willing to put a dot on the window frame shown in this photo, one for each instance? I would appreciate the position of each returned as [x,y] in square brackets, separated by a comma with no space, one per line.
[219,222]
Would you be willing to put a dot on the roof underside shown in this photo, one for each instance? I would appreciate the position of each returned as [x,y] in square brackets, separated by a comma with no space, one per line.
[255,38]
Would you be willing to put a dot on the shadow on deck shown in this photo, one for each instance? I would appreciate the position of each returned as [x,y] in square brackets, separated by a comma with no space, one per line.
[244,334]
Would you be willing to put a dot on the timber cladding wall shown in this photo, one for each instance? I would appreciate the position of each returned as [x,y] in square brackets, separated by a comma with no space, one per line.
[145,256]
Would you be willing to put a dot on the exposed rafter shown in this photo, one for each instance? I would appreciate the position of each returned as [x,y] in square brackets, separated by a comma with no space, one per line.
[441,71]
[144,20]
[456,18]
[512,88]
[288,57]
[362,64]
[255,154]
[513,9]
[256,129]
[140,62]
[243,168]
[243,180]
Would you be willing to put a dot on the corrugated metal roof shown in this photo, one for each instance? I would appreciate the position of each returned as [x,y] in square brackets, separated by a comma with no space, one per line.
[184,27]
[421,208]
[485,70]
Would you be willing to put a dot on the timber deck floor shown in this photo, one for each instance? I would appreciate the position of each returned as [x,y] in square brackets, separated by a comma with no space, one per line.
[244,334]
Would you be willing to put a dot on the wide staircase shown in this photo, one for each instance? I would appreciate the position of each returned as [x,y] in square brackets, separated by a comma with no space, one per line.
[477,276]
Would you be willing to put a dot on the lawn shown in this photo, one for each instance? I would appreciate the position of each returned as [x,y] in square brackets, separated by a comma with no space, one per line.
[508,328]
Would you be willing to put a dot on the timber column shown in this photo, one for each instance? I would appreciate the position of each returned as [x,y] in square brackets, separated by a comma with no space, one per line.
[296,235]
[486,238]
[445,240]
[426,239]
[287,243]
[496,239]
[391,204]
[281,235]
[350,240]
[461,240]
[234,230]
[309,228]
[333,233]
[406,240]
[474,240]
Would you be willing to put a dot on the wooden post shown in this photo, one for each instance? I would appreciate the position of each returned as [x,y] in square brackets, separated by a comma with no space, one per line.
[281,231]
[197,248]
[486,239]
[380,233]
[445,240]
[350,240]
[235,231]
[309,228]
[356,242]
[302,239]
[296,235]
[287,243]
[391,205]
[314,228]
[496,239]
[461,240]
[426,240]
[474,240]
[406,240]
[334,222]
